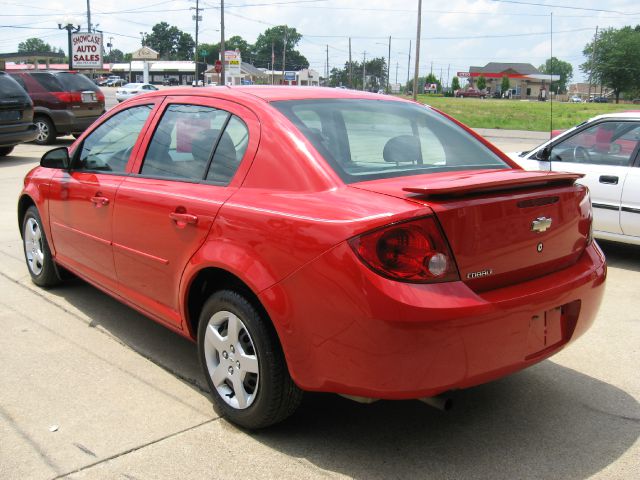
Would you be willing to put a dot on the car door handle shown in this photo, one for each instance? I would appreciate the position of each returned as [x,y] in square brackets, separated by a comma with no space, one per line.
[609,179]
[100,201]
[183,218]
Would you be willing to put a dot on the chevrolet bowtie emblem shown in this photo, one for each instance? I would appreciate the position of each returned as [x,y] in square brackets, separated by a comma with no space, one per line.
[541,224]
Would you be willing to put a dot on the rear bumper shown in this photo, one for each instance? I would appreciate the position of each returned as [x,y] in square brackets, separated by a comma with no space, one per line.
[66,121]
[347,330]
[9,138]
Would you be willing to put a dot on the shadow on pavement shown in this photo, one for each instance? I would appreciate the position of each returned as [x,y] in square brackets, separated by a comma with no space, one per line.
[546,422]
[621,255]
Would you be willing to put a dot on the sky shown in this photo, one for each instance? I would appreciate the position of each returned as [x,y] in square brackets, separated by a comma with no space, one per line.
[456,34]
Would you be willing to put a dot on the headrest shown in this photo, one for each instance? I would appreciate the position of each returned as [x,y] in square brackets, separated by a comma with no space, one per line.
[402,149]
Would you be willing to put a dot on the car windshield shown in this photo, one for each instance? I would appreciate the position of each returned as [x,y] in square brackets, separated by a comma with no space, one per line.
[75,82]
[372,139]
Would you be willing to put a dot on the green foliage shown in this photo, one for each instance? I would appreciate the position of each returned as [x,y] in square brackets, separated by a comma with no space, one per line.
[614,59]
[233,43]
[455,84]
[261,51]
[482,82]
[170,42]
[375,72]
[505,84]
[34,45]
[116,56]
[558,67]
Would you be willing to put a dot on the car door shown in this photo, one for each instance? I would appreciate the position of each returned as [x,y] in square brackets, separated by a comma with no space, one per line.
[192,164]
[630,205]
[603,153]
[81,200]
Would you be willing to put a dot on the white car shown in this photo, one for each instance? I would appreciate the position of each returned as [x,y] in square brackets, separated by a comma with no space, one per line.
[606,150]
[132,89]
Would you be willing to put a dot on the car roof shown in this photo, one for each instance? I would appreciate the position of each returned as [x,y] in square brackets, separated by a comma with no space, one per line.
[270,93]
[623,115]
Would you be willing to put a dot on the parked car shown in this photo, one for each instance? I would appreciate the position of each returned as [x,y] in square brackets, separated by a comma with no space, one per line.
[598,100]
[16,115]
[395,254]
[133,89]
[170,81]
[605,150]
[471,93]
[116,82]
[575,99]
[64,102]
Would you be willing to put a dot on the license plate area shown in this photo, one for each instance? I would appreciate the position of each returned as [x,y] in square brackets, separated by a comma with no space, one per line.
[10,115]
[88,97]
[551,329]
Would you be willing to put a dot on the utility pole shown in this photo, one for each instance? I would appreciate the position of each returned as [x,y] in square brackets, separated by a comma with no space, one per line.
[448,69]
[364,69]
[273,61]
[415,73]
[327,63]
[593,59]
[284,53]
[350,66]
[223,75]
[389,64]
[408,65]
[110,45]
[197,18]
[396,71]
[88,16]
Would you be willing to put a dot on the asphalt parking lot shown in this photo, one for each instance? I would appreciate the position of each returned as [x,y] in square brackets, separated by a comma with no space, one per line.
[91,389]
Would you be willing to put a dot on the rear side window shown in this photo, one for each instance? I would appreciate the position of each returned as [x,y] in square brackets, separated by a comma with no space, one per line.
[108,147]
[194,142]
[10,88]
[75,82]
[47,81]
[371,139]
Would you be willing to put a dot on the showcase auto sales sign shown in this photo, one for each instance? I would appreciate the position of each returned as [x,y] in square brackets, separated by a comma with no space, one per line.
[86,50]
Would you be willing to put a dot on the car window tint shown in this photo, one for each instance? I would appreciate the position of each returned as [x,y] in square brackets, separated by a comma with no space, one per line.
[48,82]
[372,139]
[607,143]
[229,152]
[20,80]
[108,147]
[75,82]
[10,88]
[183,142]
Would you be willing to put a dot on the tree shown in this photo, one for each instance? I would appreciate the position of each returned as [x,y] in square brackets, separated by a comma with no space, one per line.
[170,42]
[234,43]
[34,45]
[482,82]
[505,85]
[614,59]
[261,51]
[558,67]
[455,84]
[114,56]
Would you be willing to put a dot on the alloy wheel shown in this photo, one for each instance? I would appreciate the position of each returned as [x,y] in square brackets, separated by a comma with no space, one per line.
[43,131]
[33,246]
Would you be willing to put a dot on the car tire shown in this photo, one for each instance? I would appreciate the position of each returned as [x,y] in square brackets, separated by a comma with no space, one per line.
[4,151]
[46,131]
[37,254]
[232,332]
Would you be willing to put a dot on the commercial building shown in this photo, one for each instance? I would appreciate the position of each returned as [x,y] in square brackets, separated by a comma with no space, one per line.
[525,80]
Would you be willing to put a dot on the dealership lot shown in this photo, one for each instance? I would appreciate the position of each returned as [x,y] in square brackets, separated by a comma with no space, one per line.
[91,389]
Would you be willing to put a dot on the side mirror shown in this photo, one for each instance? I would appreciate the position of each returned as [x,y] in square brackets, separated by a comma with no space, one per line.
[545,154]
[56,158]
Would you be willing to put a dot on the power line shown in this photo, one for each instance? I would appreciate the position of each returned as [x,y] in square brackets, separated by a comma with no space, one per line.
[549,5]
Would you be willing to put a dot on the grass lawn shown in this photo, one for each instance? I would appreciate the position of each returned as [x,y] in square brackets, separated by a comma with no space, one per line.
[519,115]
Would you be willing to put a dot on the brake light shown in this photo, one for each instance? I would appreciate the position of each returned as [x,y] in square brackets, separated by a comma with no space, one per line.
[100,96]
[413,251]
[68,97]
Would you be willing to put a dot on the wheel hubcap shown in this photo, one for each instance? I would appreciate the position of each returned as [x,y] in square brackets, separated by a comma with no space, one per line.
[231,360]
[33,246]
[43,131]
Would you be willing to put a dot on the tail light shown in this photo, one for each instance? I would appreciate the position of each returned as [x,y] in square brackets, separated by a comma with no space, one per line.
[414,251]
[68,97]
[100,97]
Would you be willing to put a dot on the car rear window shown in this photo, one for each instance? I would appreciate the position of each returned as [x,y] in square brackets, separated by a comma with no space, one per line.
[371,139]
[48,82]
[9,88]
[75,82]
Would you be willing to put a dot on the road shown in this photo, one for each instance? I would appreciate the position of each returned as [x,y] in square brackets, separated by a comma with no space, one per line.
[91,389]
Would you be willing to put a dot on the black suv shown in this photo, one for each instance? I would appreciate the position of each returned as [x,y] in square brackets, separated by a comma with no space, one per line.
[64,102]
[16,115]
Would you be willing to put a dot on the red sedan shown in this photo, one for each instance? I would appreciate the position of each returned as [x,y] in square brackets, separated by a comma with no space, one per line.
[318,239]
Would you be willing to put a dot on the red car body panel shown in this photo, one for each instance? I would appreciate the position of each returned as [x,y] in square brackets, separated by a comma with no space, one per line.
[282,227]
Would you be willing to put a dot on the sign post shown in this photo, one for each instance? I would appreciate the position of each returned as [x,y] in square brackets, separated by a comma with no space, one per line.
[86,50]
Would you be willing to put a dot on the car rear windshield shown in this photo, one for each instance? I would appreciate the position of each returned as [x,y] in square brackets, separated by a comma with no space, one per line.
[372,139]
[75,82]
[9,88]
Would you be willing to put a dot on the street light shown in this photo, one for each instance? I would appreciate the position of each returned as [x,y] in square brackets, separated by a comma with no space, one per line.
[71,26]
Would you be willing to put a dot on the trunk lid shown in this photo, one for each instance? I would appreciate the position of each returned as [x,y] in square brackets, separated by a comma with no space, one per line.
[503,226]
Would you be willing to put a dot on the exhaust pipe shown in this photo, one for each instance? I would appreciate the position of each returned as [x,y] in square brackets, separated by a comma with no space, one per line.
[441,403]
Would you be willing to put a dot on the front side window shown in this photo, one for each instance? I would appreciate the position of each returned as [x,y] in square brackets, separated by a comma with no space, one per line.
[607,143]
[108,147]
[196,143]
[371,139]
